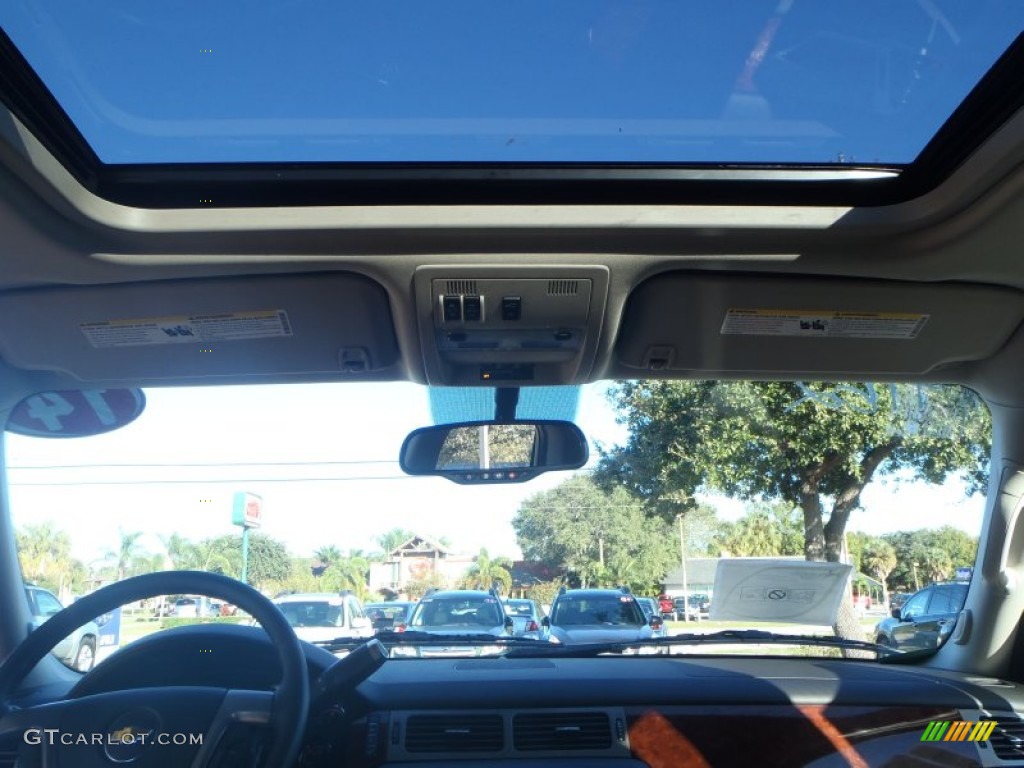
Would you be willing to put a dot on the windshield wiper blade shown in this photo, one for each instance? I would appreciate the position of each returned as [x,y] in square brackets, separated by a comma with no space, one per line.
[723,637]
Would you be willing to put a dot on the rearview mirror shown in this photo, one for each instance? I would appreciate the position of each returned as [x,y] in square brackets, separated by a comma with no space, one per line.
[494,452]
[75,413]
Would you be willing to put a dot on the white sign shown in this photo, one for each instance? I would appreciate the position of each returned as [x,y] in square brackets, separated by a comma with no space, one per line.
[796,591]
[188,329]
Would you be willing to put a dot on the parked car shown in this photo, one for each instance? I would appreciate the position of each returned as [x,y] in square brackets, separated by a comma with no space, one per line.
[389,616]
[321,617]
[666,606]
[77,650]
[194,606]
[925,620]
[455,612]
[652,608]
[597,616]
[691,608]
[526,617]
[897,599]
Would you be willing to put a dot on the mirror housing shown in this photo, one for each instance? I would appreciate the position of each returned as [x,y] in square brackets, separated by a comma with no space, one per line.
[479,452]
[509,625]
[546,622]
[655,622]
[897,613]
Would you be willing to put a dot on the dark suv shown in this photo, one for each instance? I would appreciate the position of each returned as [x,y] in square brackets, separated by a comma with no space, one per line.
[598,616]
[453,612]
[925,619]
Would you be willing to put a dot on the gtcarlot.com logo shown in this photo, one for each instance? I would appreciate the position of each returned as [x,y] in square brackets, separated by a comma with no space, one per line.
[123,737]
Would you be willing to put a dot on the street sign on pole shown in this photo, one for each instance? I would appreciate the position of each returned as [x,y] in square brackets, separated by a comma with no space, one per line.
[247,512]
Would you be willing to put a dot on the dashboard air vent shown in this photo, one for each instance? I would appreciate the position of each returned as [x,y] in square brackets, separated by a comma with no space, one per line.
[561,730]
[1007,740]
[462,286]
[563,287]
[454,733]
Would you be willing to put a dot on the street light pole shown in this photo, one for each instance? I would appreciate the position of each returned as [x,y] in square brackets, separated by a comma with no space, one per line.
[682,560]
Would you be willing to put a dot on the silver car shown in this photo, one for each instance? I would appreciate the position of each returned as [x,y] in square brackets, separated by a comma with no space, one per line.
[651,608]
[525,617]
[77,650]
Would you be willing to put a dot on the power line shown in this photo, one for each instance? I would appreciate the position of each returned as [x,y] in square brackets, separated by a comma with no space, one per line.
[210,464]
[235,481]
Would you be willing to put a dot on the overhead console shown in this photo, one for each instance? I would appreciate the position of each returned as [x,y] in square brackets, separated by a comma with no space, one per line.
[683,322]
[509,326]
[325,326]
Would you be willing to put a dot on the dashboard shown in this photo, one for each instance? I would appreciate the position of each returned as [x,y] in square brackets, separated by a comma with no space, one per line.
[661,712]
[605,712]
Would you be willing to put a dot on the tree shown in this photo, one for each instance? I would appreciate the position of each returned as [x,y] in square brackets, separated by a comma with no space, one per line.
[45,556]
[878,558]
[764,531]
[393,539]
[809,445]
[488,573]
[581,530]
[180,550]
[269,561]
[328,555]
[125,552]
[933,553]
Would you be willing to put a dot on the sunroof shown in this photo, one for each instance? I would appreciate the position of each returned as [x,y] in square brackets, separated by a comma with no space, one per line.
[632,81]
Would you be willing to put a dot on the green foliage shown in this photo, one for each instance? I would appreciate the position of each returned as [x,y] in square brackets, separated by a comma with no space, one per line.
[487,572]
[936,552]
[598,538]
[544,594]
[393,539]
[268,558]
[803,444]
[765,530]
[45,557]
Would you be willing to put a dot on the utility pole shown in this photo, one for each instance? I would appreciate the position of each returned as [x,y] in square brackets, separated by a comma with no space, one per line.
[485,452]
[682,560]
[917,584]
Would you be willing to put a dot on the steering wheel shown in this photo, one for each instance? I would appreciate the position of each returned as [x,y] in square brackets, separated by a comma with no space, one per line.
[167,727]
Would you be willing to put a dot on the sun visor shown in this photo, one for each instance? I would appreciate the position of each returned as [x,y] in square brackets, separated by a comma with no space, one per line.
[327,323]
[691,322]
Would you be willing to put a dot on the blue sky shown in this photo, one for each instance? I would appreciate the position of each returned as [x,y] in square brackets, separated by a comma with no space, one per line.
[643,80]
[353,489]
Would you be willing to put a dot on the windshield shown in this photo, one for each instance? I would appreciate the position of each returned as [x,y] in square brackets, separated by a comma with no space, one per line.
[313,614]
[720,501]
[599,609]
[456,612]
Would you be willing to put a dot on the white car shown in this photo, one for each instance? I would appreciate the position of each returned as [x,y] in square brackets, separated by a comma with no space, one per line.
[77,650]
[321,617]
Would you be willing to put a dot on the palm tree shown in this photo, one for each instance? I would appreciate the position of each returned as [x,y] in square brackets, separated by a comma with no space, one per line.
[486,573]
[210,556]
[879,559]
[393,539]
[125,552]
[180,550]
[328,556]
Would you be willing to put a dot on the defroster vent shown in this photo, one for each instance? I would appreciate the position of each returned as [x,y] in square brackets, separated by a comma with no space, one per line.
[561,731]
[454,733]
